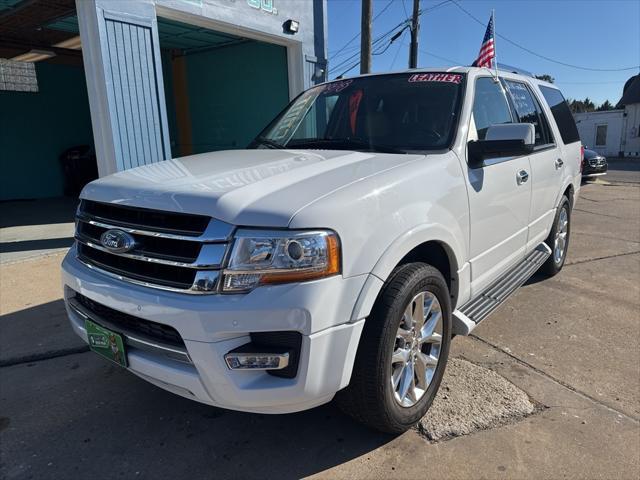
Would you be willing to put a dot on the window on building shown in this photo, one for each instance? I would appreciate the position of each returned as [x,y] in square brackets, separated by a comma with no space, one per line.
[601,135]
[562,113]
[18,76]
[528,111]
[490,106]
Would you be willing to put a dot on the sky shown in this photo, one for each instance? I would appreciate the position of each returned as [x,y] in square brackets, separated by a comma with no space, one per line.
[600,34]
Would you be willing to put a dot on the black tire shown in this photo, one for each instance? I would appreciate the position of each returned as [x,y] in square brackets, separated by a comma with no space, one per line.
[553,265]
[369,398]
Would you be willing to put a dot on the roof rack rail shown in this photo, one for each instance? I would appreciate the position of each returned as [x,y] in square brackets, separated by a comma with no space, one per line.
[509,68]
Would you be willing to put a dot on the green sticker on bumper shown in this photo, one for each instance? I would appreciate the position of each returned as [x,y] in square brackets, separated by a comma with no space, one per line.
[106,343]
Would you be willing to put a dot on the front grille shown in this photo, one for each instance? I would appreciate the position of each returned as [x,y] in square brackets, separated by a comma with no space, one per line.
[172,251]
[152,330]
[164,248]
[157,220]
[147,272]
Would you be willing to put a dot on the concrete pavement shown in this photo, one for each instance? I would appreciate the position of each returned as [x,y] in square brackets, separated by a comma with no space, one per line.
[34,322]
[623,170]
[33,228]
[572,343]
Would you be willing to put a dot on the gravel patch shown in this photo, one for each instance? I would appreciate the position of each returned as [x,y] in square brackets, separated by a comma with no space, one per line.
[473,398]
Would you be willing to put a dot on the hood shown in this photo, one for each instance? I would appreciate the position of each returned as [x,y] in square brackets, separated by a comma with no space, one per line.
[242,187]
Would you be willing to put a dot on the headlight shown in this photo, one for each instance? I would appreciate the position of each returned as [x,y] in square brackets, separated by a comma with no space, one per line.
[264,257]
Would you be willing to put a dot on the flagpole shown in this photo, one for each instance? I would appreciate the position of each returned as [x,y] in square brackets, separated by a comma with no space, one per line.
[495,50]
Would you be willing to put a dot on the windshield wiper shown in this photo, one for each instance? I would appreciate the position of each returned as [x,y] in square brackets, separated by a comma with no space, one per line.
[345,144]
[267,143]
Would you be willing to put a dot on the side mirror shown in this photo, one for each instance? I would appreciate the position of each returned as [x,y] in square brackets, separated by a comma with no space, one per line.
[504,140]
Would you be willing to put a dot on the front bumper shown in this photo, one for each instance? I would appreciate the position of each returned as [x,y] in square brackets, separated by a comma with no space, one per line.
[212,325]
[592,171]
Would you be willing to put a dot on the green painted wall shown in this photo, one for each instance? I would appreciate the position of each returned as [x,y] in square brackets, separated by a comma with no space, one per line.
[35,128]
[234,92]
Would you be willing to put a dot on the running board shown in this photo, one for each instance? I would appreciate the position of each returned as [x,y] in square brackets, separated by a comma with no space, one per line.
[479,308]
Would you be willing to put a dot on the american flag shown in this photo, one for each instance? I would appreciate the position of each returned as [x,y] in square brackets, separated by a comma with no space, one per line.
[487,49]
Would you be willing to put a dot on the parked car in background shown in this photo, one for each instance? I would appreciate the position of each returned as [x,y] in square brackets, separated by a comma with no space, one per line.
[372,220]
[593,164]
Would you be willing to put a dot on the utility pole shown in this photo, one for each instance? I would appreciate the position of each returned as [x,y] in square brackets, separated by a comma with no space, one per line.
[415,28]
[365,37]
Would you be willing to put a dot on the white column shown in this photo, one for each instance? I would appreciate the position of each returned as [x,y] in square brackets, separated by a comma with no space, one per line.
[123,71]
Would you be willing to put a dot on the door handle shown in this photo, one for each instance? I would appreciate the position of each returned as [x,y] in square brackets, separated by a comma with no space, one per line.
[522,176]
[559,163]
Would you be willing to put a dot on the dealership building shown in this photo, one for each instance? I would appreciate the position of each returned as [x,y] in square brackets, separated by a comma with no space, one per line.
[614,133]
[98,86]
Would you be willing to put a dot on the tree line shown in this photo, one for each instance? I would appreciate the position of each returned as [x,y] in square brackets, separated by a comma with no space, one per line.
[586,105]
[581,106]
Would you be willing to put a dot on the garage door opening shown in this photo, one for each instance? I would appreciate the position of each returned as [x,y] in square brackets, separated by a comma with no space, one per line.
[46,139]
[220,89]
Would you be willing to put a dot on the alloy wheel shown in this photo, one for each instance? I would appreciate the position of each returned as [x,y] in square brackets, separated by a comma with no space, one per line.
[417,349]
[560,241]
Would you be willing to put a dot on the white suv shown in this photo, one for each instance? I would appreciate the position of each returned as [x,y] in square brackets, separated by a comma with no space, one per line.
[372,220]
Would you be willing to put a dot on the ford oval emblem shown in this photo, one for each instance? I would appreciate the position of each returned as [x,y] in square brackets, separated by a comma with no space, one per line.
[117,241]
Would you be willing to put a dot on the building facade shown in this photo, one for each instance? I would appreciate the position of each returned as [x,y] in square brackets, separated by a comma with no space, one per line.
[631,126]
[601,131]
[614,132]
[92,87]
[194,85]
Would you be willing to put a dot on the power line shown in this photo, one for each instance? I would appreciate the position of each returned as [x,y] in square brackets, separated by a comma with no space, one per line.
[593,83]
[544,57]
[455,62]
[358,34]
[404,24]
[395,57]
[356,55]
[393,39]
[377,40]
[375,43]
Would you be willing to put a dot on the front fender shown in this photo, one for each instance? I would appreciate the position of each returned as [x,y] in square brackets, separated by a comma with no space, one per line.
[396,251]
[413,238]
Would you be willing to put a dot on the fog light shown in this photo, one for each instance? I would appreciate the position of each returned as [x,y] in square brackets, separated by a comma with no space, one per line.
[256,361]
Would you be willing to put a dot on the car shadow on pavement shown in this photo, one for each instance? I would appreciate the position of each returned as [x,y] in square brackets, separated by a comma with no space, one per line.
[536,278]
[42,244]
[37,332]
[44,211]
[79,413]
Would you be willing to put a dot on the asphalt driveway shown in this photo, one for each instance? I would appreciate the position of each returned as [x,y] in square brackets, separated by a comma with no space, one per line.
[571,344]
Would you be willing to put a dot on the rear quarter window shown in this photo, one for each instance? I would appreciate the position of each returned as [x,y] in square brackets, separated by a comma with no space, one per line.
[562,114]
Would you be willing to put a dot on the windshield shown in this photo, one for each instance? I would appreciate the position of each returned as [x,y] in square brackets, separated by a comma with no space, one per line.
[387,113]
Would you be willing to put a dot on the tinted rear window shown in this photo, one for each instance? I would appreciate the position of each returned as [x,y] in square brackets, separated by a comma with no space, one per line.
[562,114]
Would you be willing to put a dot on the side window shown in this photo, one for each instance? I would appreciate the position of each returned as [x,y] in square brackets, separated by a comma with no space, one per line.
[529,111]
[490,106]
[562,113]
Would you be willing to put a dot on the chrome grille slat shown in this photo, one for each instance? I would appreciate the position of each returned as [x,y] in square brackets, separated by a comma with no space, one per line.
[179,223]
[104,263]
[206,258]
[158,258]
[140,282]
[215,232]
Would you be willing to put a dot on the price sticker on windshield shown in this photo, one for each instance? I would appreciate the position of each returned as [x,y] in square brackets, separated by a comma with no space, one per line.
[336,87]
[436,77]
